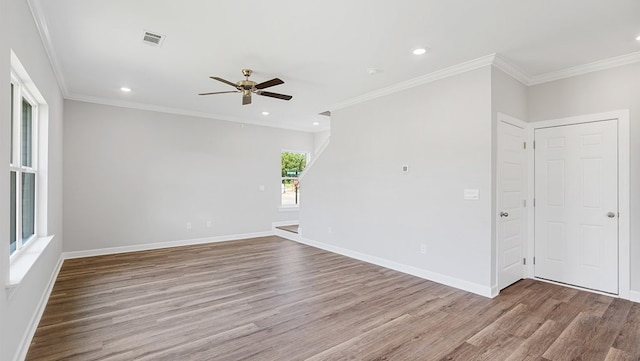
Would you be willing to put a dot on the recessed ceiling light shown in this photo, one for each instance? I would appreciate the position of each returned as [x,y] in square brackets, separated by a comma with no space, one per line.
[638,38]
[265,113]
[316,123]
[419,51]
[125,89]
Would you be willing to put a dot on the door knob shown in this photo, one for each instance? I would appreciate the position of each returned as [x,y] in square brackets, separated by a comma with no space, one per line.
[611,215]
[504,214]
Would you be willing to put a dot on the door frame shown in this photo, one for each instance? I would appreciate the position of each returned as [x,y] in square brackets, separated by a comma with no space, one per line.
[622,116]
[504,118]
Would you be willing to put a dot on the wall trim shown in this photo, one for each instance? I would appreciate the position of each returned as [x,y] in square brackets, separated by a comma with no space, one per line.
[160,245]
[634,296]
[511,70]
[586,68]
[43,29]
[495,60]
[178,111]
[24,260]
[492,59]
[287,235]
[410,270]
[284,223]
[499,62]
[421,80]
[37,315]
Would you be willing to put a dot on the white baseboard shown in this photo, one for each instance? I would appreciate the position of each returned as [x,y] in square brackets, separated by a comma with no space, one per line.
[634,296]
[287,235]
[284,223]
[160,245]
[478,289]
[35,320]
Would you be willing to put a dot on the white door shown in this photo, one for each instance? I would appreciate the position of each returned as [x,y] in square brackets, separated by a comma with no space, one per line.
[576,195]
[511,220]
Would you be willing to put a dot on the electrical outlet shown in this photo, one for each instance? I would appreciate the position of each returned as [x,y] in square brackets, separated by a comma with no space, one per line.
[208,224]
[423,248]
[329,230]
[188,225]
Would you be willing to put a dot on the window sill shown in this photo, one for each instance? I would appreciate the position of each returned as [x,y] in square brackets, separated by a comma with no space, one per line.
[289,208]
[21,263]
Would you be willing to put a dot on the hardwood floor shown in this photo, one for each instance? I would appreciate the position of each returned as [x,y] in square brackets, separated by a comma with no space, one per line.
[273,299]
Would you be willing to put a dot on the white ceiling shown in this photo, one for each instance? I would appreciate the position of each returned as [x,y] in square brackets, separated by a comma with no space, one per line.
[321,49]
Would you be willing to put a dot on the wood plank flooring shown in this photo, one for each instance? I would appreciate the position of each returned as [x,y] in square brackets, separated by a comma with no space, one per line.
[272,299]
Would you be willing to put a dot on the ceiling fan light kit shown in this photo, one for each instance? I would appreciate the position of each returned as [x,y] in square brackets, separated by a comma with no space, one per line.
[248,87]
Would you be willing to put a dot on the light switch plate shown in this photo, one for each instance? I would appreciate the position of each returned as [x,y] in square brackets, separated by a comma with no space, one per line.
[472,194]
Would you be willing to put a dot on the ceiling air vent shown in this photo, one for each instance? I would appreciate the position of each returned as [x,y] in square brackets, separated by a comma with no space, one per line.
[153,39]
[326,113]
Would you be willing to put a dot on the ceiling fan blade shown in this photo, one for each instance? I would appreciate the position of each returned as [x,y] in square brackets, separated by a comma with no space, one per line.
[269,83]
[231,91]
[275,95]
[246,99]
[224,81]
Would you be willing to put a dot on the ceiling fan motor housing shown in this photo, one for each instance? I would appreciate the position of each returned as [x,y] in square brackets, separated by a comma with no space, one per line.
[246,84]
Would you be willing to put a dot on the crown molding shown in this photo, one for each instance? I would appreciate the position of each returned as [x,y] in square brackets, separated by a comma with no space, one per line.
[177,111]
[421,80]
[495,60]
[43,30]
[501,63]
[586,68]
[511,70]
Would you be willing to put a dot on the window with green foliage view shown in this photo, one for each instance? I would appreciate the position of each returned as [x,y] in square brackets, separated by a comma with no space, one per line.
[293,164]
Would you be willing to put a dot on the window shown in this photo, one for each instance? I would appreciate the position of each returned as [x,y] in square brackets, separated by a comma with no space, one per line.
[293,164]
[23,170]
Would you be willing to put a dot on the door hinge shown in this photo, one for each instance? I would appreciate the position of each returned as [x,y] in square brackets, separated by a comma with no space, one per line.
[525,145]
[524,202]
[534,260]
[534,202]
[524,261]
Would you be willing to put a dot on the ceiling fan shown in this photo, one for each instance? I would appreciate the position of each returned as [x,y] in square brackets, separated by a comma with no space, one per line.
[247,87]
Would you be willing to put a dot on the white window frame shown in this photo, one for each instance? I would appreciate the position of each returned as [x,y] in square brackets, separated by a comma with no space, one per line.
[307,156]
[24,259]
[20,93]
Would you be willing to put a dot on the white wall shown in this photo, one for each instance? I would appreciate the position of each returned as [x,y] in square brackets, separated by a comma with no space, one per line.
[18,32]
[135,177]
[508,96]
[6,350]
[356,197]
[612,89]
[319,138]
